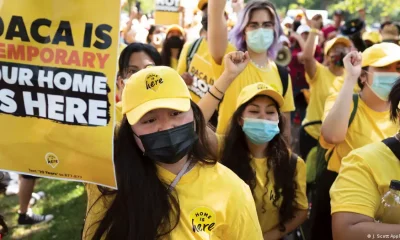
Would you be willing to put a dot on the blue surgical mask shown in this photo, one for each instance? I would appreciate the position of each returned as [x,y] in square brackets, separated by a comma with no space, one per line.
[383,84]
[260,40]
[260,131]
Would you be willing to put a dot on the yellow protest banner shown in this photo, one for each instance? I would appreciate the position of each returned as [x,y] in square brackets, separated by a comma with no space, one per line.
[203,77]
[57,81]
[167,12]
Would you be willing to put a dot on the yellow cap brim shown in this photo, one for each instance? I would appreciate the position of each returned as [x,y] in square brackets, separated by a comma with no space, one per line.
[343,40]
[382,62]
[179,104]
[270,93]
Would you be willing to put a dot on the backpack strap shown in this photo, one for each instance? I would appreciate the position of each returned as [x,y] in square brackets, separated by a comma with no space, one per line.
[192,51]
[284,75]
[311,123]
[394,145]
[353,113]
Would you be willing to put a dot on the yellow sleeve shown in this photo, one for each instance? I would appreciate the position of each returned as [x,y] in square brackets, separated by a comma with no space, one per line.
[338,84]
[288,106]
[96,209]
[317,75]
[355,189]
[245,224]
[329,102]
[181,68]
[301,195]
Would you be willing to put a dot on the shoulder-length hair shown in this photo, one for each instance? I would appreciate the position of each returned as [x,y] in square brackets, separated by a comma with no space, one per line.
[238,36]
[236,156]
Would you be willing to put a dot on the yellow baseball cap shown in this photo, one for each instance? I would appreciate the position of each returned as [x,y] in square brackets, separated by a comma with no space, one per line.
[177,28]
[381,54]
[201,4]
[153,88]
[374,37]
[329,44]
[255,89]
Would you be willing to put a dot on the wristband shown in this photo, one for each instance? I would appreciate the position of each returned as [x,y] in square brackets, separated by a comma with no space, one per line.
[314,30]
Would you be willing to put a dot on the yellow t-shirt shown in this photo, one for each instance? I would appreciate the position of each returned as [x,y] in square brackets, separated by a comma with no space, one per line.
[203,68]
[321,86]
[174,63]
[364,178]
[367,127]
[250,75]
[210,197]
[338,84]
[269,218]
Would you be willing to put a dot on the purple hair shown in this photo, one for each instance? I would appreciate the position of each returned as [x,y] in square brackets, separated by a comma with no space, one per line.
[237,35]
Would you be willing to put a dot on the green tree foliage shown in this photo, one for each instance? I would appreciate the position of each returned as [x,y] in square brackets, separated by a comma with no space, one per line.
[376,10]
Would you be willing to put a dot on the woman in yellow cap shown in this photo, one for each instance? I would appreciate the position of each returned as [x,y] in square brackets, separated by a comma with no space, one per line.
[364,178]
[169,185]
[376,70]
[254,148]
[173,45]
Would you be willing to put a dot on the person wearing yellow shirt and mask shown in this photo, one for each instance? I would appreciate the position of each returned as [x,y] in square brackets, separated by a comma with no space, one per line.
[321,80]
[172,46]
[197,67]
[363,179]
[169,184]
[135,57]
[254,148]
[257,31]
[381,68]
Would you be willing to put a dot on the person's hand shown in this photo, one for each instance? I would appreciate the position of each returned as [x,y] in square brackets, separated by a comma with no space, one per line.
[272,235]
[187,78]
[236,62]
[352,64]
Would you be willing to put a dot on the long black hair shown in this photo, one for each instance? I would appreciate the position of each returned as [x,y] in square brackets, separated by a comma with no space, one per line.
[150,35]
[394,99]
[236,156]
[123,62]
[3,225]
[169,43]
[143,208]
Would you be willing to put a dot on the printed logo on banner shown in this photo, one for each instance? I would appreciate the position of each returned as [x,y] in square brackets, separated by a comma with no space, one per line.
[167,5]
[202,74]
[203,219]
[153,82]
[52,159]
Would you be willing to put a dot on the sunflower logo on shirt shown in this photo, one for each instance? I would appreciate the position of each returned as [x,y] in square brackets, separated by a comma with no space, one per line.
[203,219]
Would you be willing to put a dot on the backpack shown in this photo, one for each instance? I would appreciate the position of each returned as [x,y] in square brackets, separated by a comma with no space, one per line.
[283,71]
[394,145]
[317,161]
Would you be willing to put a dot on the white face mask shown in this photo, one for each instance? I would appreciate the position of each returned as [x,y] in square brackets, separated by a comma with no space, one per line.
[383,83]
[260,40]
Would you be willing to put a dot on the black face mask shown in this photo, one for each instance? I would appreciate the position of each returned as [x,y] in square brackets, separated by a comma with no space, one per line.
[171,145]
[338,59]
[204,22]
[175,42]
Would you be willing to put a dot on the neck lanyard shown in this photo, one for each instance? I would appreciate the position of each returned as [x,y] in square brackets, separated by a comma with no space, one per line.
[180,174]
